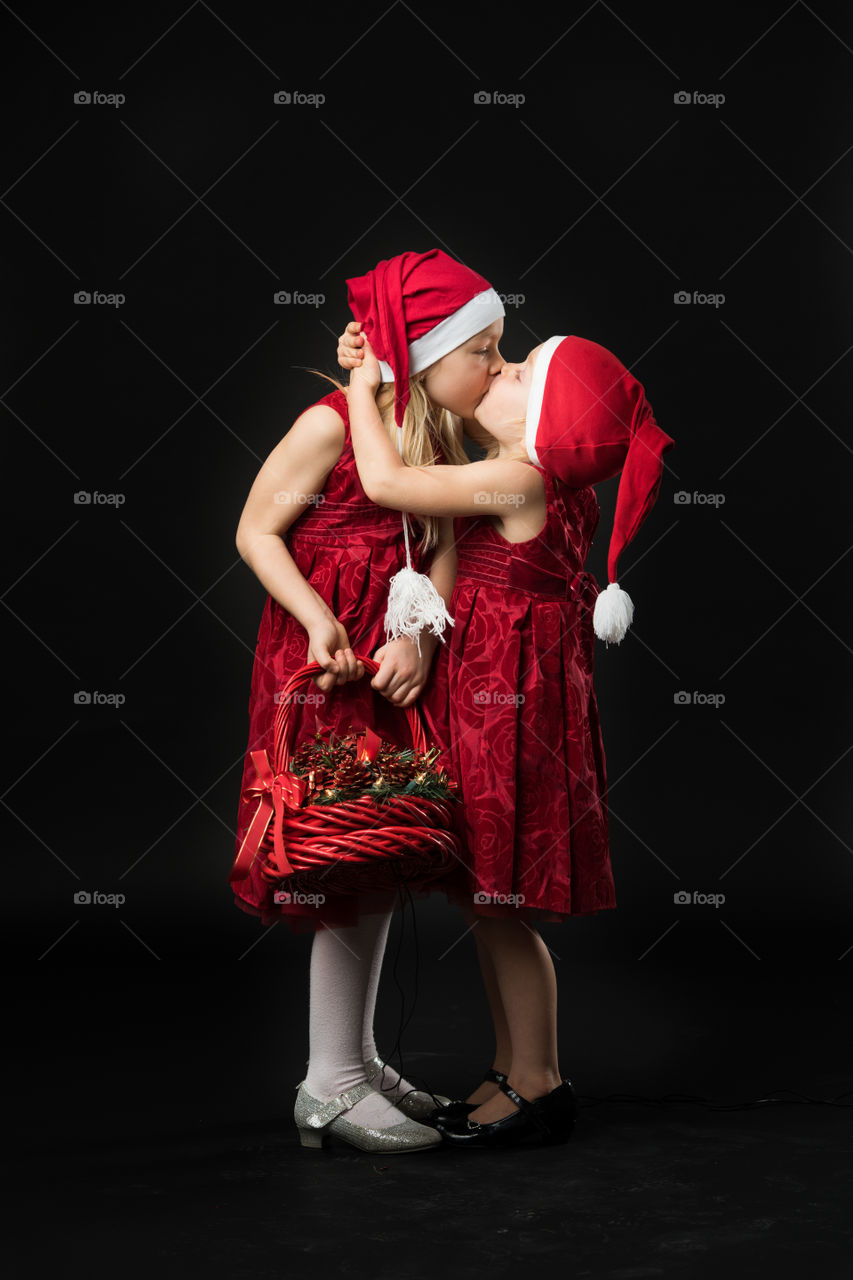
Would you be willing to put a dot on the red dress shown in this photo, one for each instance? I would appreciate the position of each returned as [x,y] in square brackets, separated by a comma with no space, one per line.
[348,548]
[511,703]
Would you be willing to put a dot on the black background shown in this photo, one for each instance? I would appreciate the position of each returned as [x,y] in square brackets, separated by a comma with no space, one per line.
[597,199]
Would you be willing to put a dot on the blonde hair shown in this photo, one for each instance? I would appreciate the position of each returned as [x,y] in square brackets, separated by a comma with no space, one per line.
[425,425]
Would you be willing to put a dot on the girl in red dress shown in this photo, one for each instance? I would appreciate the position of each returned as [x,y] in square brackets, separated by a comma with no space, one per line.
[324,551]
[513,689]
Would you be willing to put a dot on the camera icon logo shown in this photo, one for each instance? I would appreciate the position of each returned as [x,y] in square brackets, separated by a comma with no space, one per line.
[82,298]
[282,299]
[482,98]
[681,98]
[281,896]
[82,97]
[82,698]
[282,97]
[81,897]
[482,897]
[682,698]
[681,898]
[681,297]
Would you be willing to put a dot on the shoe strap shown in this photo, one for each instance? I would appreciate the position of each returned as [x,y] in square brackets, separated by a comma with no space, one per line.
[351,1096]
[524,1105]
[322,1113]
[495,1076]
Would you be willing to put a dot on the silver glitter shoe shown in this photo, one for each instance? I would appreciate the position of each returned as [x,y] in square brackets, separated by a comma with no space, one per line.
[417,1104]
[315,1120]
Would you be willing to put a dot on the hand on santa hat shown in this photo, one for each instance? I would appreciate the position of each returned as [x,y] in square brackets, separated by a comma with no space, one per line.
[368,372]
[349,346]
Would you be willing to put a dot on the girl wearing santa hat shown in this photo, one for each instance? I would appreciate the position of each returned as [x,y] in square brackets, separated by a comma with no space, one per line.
[512,692]
[324,551]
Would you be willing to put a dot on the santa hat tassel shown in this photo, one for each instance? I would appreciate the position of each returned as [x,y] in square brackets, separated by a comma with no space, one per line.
[613,614]
[414,603]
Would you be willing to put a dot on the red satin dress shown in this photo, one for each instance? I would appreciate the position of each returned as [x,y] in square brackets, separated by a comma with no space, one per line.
[348,548]
[511,703]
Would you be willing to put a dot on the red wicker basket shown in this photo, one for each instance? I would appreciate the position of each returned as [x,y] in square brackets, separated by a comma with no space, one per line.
[352,846]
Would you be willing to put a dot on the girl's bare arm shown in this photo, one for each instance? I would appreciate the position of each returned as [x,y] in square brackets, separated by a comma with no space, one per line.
[475,489]
[291,477]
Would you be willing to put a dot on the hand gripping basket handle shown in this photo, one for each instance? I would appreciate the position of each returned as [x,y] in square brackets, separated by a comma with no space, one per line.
[285,726]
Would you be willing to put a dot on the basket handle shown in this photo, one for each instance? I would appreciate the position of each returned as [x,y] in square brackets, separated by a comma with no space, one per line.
[285,727]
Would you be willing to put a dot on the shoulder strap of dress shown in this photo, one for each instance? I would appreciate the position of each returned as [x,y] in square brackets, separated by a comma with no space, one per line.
[339,401]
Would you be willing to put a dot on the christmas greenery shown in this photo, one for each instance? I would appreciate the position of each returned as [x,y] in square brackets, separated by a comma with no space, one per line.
[334,772]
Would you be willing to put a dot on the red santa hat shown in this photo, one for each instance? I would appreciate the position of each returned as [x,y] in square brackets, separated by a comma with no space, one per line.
[588,419]
[416,308]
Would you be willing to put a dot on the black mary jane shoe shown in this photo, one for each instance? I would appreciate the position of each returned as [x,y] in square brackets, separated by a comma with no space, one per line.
[547,1120]
[453,1111]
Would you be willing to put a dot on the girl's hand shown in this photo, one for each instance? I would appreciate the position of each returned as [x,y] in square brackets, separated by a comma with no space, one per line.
[402,671]
[329,645]
[368,371]
[349,346]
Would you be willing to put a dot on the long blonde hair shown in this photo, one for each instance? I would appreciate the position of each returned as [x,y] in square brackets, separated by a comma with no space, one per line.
[425,425]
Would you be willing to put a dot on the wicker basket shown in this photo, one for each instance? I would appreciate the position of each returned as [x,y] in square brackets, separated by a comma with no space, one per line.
[343,848]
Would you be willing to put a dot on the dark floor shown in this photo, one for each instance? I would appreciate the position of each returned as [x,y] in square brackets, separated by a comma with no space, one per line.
[634,1193]
[155,1108]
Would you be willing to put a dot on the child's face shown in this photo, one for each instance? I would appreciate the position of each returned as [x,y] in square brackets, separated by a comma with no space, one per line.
[505,402]
[458,380]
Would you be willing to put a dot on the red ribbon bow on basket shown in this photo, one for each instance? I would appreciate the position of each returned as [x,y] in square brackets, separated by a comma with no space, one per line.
[276,793]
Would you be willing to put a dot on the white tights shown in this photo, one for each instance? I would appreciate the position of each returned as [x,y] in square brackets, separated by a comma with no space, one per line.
[345,968]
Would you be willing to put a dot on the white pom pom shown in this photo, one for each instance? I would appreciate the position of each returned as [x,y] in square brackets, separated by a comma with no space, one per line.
[613,614]
[414,603]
